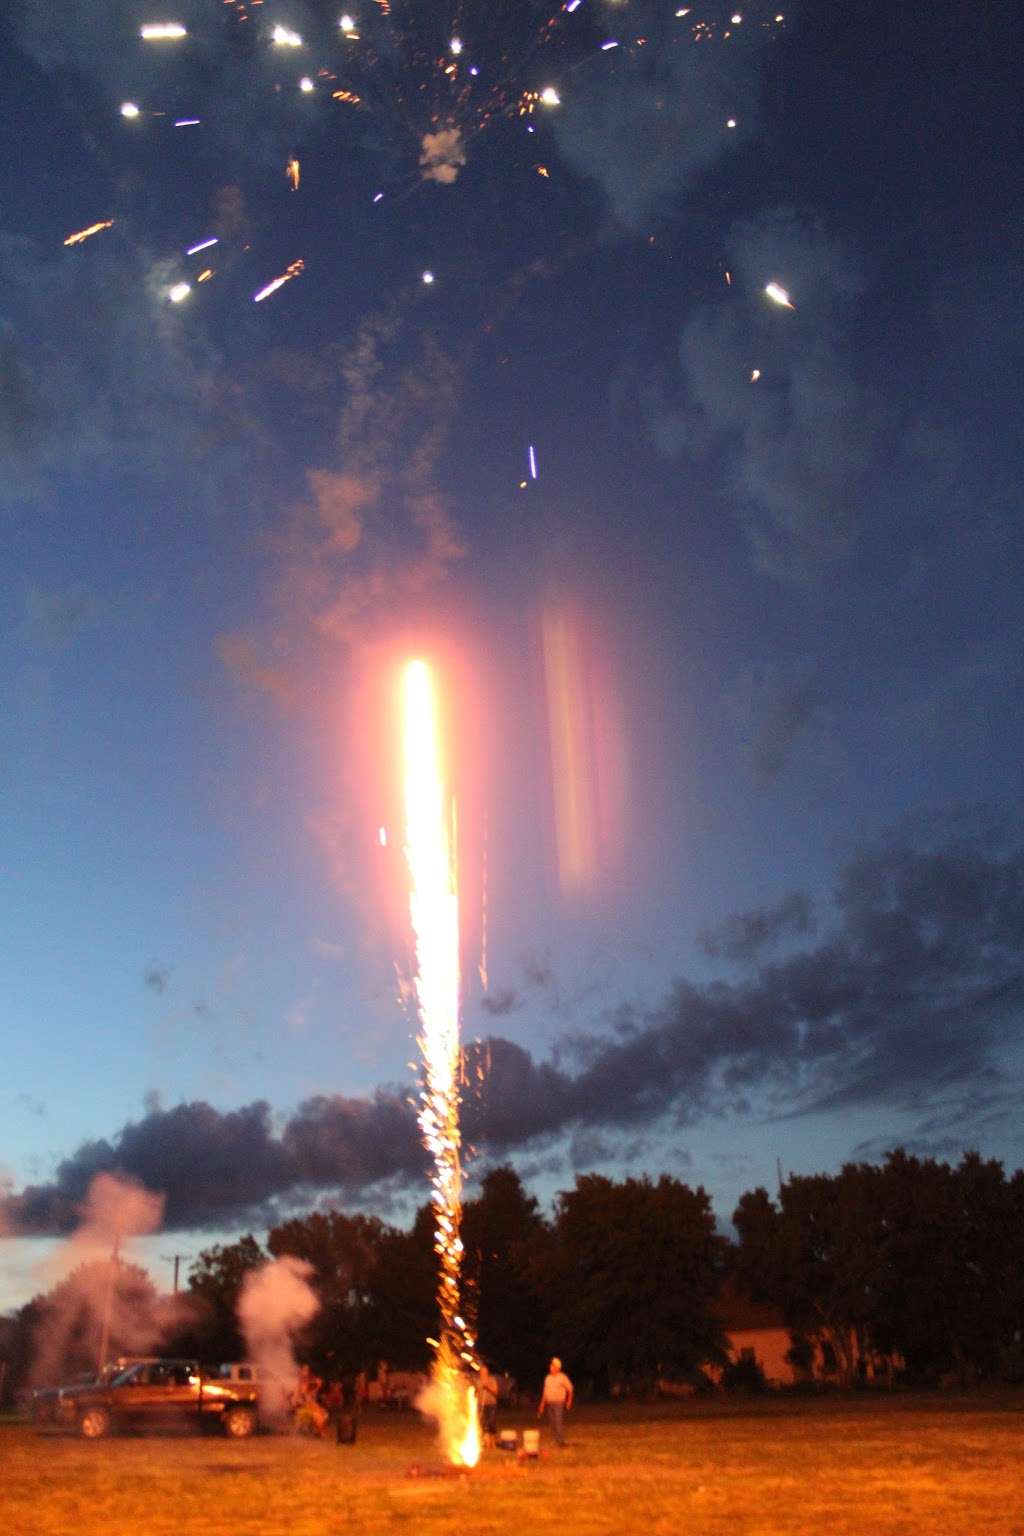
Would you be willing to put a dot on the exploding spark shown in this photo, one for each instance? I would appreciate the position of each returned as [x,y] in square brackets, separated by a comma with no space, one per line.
[86,234]
[349,96]
[377,196]
[186,122]
[179,292]
[736,19]
[685,11]
[284,37]
[434,912]
[279,282]
[162,31]
[347,24]
[456,46]
[203,245]
[205,275]
[550,97]
[610,44]
[533,463]
[542,170]
[572,6]
[129,109]
[728,279]
[731,123]
[428,278]
[306,84]
[293,173]
[778,295]
[755,375]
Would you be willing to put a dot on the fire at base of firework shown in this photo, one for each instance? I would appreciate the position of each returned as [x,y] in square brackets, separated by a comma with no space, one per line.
[436,1469]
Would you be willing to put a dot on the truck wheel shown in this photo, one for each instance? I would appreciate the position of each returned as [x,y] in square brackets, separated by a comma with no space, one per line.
[240,1423]
[94,1424]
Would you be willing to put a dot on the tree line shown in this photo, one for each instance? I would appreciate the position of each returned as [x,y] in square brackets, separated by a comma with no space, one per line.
[912,1261]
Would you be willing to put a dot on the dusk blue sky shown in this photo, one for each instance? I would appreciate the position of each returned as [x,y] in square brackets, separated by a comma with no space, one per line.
[225,525]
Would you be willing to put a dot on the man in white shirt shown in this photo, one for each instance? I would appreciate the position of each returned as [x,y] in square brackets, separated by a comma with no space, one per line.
[556,1397]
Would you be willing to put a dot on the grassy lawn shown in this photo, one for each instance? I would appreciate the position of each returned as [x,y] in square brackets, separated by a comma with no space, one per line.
[817,1468]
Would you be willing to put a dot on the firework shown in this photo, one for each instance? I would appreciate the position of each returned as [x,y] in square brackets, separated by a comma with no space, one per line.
[162,31]
[434,911]
[203,245]
[86,234]
[778,295]
[179,292]
[293,173]
[279,282]
[284,37]
[129,109]
[533,462]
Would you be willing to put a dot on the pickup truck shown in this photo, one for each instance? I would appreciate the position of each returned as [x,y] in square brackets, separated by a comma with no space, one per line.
[161,1393]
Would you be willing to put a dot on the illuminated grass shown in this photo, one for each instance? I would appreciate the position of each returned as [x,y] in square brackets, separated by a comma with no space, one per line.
[895,1467]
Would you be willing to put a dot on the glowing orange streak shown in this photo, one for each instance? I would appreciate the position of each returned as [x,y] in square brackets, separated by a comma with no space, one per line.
[434,910]
[84,234]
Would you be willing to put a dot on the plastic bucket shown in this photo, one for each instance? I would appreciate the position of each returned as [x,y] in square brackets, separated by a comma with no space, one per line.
[531,1442]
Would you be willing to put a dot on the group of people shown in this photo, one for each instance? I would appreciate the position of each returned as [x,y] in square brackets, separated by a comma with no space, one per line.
[316,1405]
[555,1401]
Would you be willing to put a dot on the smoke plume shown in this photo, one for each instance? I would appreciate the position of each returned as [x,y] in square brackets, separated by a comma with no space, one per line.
[101,1297]
[275,1302]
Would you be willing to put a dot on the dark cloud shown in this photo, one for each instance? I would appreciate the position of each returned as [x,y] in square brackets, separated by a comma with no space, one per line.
[156,977]
[775,708]
[650,119]
[911,1001]
[744,935]
[501,1002]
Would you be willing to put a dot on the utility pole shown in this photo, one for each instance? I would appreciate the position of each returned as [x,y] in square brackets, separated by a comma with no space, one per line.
[108,1306]
[175,1259]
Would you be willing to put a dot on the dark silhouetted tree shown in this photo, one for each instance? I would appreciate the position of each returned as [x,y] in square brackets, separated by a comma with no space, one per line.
[500,1231]
[631,1272]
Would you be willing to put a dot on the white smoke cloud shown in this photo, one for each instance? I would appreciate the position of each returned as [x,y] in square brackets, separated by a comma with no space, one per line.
[98,1294]
[275,1302]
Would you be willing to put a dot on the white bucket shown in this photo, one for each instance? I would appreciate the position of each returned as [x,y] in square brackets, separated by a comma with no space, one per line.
[531,1442]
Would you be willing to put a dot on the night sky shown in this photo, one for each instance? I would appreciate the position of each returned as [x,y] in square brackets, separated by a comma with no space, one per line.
[782,614]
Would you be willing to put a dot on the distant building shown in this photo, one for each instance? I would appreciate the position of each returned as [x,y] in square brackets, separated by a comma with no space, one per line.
[756,1330]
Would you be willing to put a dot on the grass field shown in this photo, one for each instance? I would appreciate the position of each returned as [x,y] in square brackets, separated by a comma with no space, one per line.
[898,1467]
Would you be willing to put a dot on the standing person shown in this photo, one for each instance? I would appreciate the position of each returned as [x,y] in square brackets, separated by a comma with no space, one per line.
[556,1397]
[487,1395]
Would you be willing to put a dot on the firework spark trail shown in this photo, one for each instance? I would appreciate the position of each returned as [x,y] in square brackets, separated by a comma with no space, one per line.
[86,234]
[434,910]
[279,282]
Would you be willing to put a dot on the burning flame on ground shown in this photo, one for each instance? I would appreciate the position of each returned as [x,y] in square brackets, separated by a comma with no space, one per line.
[434,909]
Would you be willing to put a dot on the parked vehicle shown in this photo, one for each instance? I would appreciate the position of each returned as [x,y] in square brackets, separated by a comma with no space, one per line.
[159,1394]
[46,1404]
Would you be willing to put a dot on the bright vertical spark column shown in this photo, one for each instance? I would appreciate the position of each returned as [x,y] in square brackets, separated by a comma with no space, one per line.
[434,909]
